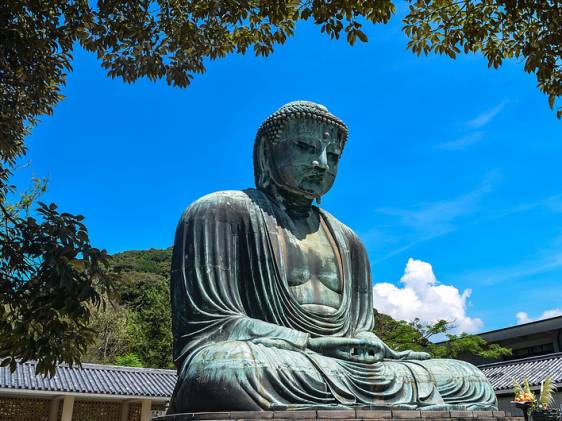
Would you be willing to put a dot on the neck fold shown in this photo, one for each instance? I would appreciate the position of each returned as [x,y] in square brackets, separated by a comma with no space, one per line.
[294,204]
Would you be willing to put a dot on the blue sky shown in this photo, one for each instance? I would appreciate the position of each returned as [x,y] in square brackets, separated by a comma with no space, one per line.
[448,163]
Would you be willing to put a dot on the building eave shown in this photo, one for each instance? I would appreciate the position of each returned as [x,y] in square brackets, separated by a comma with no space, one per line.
[85,396]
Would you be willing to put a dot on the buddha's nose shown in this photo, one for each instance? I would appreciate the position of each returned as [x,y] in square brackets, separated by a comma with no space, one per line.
[321,162]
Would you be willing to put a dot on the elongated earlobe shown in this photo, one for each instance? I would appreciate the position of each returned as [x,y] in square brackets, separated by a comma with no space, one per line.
[318,200]
[264,178]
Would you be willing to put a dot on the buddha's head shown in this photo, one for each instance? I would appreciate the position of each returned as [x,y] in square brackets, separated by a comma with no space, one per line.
[297,150]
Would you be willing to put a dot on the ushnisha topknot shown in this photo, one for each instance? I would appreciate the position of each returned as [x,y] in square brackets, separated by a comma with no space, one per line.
[273,125]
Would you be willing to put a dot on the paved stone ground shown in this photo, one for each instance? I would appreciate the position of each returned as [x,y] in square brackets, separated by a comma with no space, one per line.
[345,415]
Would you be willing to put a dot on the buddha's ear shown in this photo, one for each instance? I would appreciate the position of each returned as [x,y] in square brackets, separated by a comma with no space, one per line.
[264,177]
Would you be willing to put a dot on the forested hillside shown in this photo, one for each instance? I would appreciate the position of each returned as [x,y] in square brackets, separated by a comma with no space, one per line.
[135,327]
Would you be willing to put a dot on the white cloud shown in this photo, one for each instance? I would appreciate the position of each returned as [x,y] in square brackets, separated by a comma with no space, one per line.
[425,221]
[423,297]
[548,261]
[474,135]
[551,203]
[523,317]
[482,119]
[438,217]
[463,142]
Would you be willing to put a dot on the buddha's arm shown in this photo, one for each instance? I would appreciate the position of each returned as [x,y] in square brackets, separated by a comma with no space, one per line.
[363,350]
[258,331]
[366,348]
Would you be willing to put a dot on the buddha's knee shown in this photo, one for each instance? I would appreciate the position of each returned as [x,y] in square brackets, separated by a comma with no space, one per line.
[448,368]
[462,383]
[215,374]
[219,363]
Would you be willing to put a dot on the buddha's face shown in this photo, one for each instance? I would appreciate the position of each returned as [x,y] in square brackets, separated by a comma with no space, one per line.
[304,161]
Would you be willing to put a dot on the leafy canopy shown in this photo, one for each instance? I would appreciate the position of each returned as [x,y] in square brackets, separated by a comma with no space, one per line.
[50,279]
[528,30]
[172,39]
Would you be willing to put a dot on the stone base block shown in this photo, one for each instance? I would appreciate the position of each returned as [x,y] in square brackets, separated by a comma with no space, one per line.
[358,414]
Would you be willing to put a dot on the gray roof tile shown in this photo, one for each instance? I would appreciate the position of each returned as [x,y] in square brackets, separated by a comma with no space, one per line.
[92,378]
[535,369]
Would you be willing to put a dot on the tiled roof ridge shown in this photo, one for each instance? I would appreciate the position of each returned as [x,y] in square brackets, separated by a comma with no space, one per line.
[534,369]
[534,322]
[107,367]
[91,378]
[545,357]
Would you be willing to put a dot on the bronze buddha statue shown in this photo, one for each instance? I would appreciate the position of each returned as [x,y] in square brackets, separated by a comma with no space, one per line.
[272,296]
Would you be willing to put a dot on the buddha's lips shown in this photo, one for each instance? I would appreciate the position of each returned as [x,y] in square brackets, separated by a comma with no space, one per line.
[315,176]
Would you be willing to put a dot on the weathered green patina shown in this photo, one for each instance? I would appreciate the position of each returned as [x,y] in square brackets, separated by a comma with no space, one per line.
[271,296]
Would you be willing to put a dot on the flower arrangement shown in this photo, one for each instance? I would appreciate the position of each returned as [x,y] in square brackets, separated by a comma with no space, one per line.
[546,397]
[540,408]
[523,394]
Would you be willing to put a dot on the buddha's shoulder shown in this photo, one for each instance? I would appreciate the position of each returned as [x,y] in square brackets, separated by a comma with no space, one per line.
[348,233]
[225,197]
[231,202]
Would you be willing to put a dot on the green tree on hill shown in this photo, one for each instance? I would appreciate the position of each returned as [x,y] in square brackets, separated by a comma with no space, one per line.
[416,335]
[141,311]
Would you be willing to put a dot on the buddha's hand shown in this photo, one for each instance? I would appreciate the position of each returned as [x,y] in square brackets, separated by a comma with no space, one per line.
[360,350]
[396,355]
[413,355]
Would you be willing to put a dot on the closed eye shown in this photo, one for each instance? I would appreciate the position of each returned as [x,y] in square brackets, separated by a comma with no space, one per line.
[306,146]
[333,155]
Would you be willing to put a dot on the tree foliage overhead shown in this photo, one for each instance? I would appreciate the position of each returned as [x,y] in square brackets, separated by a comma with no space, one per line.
[530,30]
[172,39]
[36,41]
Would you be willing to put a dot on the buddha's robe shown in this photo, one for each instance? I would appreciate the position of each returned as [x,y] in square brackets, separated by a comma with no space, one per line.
[240,336]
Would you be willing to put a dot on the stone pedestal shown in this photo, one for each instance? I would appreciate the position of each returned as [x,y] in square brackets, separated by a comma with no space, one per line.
[345,415]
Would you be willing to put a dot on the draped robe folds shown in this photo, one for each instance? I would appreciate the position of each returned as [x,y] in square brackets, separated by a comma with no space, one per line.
[240,337]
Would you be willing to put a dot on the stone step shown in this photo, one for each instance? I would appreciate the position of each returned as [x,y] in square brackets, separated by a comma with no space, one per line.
[344,415]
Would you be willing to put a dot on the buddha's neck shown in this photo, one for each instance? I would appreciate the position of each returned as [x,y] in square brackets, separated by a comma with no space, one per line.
[294,204]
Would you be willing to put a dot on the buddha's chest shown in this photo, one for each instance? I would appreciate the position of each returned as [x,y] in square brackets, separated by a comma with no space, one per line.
[312,270]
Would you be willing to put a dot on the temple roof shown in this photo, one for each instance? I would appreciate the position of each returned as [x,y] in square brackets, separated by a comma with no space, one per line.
[535,369]
[92,379]
[524,329]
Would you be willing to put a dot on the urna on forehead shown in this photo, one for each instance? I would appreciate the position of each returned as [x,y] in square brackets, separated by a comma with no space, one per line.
[309,111]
